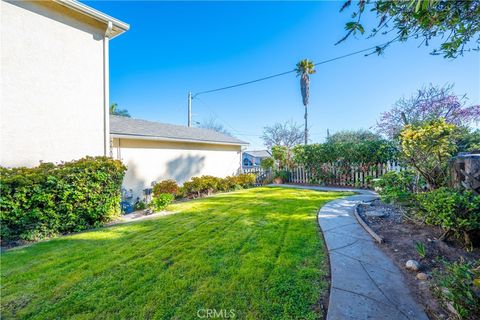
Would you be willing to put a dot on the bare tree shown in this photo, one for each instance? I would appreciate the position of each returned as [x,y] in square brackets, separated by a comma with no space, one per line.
[212,124]
[287,134]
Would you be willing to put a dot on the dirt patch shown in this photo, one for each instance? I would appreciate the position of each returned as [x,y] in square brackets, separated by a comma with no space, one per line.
[401,235]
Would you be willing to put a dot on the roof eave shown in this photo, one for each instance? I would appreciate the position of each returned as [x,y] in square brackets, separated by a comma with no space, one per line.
[155,138]
[119,27]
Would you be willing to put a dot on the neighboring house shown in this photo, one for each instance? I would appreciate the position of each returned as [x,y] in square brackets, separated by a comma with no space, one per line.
[54,81]
[155,151]
[253,158]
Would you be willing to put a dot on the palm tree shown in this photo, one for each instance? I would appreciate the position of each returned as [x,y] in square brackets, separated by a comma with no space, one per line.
[304,69]
[115,110]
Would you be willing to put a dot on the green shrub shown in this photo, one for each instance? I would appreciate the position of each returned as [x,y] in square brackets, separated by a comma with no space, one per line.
[206,185]
[452,210]
[51,199]
[282,174]
[396,186]
[267,163]
[228,183]
[455,286]
[161,201]
[245,180]
[140,205]
[165,186]
[199,186]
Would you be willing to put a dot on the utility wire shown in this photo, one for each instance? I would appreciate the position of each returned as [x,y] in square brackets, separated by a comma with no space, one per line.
[288,72]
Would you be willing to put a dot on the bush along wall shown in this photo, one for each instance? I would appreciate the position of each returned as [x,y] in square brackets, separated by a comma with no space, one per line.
[53,199]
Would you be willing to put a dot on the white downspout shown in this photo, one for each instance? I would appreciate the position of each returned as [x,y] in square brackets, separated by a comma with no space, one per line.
[106,91]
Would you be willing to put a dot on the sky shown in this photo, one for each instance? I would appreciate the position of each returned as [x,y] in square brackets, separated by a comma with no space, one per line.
[176,47]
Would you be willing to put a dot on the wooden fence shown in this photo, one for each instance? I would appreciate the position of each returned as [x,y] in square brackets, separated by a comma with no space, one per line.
[358,176]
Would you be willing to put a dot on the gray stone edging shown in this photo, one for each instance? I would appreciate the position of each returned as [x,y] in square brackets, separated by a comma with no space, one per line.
[365,226]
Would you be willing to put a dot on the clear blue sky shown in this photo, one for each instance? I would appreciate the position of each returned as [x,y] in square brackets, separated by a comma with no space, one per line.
[176,47]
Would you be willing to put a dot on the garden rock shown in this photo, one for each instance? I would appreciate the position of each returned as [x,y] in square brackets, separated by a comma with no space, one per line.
[412,265]
[422,276]
[376,213]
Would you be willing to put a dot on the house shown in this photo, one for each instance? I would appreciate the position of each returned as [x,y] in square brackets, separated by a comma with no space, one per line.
[54,87]
[155,151]
[252,159]
[55,101]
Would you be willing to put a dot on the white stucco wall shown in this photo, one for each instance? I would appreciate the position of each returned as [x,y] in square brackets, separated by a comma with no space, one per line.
[149,161]
[51,84]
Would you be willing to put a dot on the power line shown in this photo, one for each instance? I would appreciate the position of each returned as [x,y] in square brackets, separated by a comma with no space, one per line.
[290,71]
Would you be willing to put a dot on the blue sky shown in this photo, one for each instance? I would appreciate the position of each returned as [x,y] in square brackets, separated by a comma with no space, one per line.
[176,47]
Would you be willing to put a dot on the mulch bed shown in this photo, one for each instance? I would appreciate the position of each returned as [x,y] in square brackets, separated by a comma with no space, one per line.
[400,234]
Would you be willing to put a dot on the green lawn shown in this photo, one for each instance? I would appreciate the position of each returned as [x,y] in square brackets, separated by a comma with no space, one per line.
[257,251]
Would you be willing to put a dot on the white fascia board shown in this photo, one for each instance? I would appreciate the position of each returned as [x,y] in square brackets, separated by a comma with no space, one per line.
[119,27]
[152,138]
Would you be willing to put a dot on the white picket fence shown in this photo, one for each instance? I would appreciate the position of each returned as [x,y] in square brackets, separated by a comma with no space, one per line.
[330,174]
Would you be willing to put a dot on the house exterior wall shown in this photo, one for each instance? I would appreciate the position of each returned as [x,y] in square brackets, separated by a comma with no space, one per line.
[150,161]
[52,79]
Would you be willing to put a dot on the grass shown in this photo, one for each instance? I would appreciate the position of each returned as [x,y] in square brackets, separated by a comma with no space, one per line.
[257,252]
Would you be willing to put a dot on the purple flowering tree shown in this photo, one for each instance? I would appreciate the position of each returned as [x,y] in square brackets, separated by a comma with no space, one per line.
[427,104]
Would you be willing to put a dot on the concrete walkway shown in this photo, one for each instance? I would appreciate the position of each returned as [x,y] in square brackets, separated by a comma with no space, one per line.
[138,216]
[365,282]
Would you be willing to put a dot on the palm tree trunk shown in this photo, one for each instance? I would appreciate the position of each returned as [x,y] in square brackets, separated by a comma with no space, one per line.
[306,127]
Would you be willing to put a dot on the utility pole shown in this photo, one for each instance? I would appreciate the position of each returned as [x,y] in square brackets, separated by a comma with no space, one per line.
[189,109]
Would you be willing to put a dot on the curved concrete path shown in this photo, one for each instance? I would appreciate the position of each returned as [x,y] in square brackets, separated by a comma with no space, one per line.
[365,282]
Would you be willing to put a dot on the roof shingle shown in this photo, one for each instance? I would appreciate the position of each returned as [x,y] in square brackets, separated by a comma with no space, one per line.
[138,128]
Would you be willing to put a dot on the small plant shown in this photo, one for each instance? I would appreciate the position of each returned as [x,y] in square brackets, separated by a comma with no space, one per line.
[421,250]
[140,205]
[161,201]
[455,286]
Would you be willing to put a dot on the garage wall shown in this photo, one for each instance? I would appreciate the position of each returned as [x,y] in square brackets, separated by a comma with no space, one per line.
[51,84]
[149,161]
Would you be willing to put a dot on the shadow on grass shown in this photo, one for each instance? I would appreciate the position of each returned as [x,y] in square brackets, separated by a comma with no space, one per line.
[258,250]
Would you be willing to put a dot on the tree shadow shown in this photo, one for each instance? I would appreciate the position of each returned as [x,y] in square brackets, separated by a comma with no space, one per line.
[183,168]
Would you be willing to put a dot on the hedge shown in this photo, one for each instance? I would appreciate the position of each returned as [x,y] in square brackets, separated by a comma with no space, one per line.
[52,199]
[206,185]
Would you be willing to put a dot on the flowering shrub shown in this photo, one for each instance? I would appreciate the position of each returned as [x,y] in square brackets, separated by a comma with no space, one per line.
[51,199]
[428,147]
[428,104]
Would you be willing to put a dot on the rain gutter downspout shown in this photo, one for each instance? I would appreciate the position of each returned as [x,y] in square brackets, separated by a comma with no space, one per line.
[106,91]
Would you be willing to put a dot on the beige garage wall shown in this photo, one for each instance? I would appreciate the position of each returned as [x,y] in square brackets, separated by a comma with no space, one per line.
[51,85]
[149,161]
